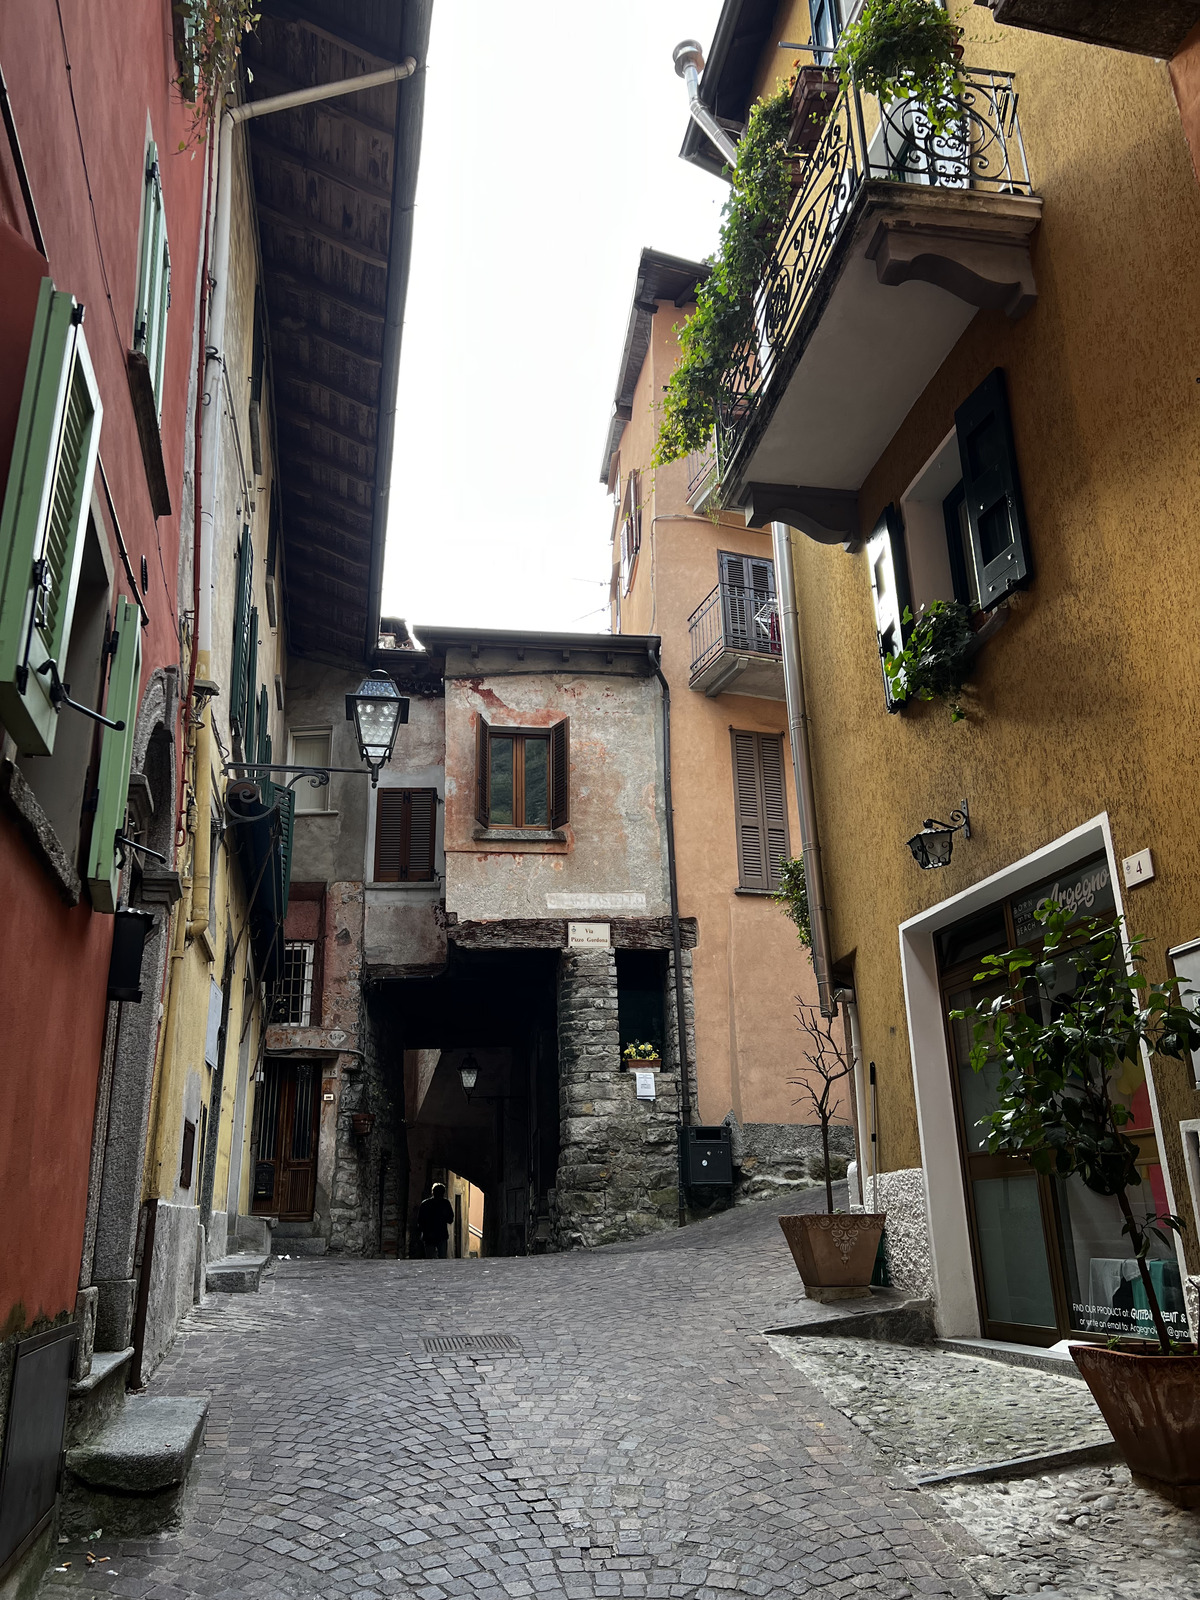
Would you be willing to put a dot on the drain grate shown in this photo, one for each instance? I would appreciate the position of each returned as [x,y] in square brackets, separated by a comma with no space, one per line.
[443,1343]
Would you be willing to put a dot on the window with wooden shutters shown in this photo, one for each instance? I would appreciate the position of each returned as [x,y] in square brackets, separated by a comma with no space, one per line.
[45,508]
[154,277]
[523,776]
[631,529]
[405,832]
[760,808]
[240,659]
[116,756]
[995,509]
[749,620]
[888,565]
[250,703]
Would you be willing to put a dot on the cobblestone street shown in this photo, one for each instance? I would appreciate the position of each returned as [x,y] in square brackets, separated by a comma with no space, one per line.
[641,1439]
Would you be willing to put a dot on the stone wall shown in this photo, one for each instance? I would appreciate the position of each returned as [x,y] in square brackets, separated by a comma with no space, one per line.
[772,1158]
[906,1245]
[618,1162]
[364,1198]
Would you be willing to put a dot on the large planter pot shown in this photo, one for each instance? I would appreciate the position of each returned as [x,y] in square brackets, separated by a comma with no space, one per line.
[813,99]
[835,1255]
[1151,1403]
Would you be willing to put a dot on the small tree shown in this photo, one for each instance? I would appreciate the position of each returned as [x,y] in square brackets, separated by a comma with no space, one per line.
[827,1068]
[1055,1099]
[792,895]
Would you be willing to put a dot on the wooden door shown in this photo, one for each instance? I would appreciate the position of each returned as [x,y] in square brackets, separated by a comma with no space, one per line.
[285,1172]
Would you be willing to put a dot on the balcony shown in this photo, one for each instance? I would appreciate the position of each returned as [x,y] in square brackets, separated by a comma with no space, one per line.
[736,643]
[896,237]
[702,476]
[1153,28]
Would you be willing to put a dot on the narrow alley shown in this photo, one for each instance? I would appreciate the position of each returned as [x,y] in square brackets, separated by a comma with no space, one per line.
[634,1436]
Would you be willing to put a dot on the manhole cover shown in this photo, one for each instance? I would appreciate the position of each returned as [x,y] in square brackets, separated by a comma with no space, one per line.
[442,1343]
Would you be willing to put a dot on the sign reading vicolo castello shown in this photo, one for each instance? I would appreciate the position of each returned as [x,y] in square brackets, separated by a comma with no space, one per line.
[588,936]
[1084,891]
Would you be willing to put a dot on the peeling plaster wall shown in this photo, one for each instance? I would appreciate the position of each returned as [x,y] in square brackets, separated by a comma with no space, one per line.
[615,841]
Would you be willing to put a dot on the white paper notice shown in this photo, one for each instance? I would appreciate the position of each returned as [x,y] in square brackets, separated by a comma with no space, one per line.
[645,1086]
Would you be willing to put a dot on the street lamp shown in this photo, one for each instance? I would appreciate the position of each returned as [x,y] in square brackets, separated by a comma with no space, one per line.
[376,711]
[934,845]
[468,1071]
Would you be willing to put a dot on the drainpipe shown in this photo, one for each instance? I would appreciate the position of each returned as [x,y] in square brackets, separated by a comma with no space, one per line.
[689,63]
[806,804]
[676,941]
[862,1144]
[215,352]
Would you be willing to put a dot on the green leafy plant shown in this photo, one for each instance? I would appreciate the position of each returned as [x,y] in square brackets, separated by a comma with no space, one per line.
[934,660]
[905,50]
[723,320]
[640,1052]
[208,44]
[792,895]
[1055,1102]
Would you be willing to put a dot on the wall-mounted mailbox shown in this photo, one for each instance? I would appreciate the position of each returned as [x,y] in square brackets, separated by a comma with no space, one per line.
[706,1156]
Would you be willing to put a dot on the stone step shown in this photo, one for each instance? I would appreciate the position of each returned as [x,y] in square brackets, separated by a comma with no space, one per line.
[236,1274]
[296,1230]
[129,1477]
[99,1396]
[300,1247]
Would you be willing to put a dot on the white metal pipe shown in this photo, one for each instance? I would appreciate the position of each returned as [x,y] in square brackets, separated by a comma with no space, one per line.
[806,804]
[862,1137]
[688,61]
[211,432]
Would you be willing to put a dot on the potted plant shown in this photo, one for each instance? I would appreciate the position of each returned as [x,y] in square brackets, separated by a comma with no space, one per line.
[934,660]
[645,1056]
[834,1253]
[814,95]
[905,50]
[1058,1107]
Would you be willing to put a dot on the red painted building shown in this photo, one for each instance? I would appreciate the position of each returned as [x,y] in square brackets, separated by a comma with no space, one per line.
[101,228]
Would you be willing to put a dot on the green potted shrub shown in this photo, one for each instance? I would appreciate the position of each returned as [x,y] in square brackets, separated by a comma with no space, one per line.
[905,50]
[934,661]
[1057,1107]
[834,1252]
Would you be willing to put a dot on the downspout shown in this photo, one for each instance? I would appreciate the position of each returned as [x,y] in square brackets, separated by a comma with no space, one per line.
[676,940]
[806,804]
[689,63]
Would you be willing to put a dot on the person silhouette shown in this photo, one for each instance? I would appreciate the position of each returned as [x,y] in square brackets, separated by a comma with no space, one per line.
[434,1216]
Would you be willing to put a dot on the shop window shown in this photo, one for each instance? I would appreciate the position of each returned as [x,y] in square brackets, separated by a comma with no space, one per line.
[405,830]
[522,776]
[760,808]
[311,748]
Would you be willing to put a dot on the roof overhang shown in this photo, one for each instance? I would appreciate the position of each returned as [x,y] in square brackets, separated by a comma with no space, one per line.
[731,70]
[481,652]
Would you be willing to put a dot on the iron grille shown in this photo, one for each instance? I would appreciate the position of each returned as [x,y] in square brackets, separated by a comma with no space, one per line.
[447,1343]
[293,1005]
[734,617]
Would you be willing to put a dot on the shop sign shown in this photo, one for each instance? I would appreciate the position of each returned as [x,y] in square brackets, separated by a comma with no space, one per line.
[1084,891]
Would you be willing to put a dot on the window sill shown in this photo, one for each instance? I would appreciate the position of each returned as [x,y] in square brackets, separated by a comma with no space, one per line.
[39,832]
[408,885]
[522,835]
[762,894]
[300,814]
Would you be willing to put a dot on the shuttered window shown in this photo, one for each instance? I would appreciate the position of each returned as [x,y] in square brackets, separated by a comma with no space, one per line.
[41,525]
[116,755]
[239,673]
[405,829]
[749,617]
[995,509]
[154,277]
[311,749]
[887,560]
[631,529]
[760,808]
[523,776]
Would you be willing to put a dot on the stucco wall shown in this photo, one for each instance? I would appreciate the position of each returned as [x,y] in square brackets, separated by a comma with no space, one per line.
[614,843]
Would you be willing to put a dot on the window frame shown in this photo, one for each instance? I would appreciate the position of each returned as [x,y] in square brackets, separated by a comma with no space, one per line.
[630,531]
[307,983]
[303,790]
[556,736]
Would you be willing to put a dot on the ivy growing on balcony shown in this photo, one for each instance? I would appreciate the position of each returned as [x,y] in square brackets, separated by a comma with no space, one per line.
[905,50]
[935,661]
[208,42]
[759,199]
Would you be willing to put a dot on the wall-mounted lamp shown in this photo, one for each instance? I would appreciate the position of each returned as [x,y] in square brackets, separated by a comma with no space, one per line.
[468,1071]
[376,711]
[934,845]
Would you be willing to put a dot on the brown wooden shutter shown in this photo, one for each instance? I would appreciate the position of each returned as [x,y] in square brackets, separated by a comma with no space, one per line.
[760,808]
[405,829]
[422,828]
[560,774]
[481,771]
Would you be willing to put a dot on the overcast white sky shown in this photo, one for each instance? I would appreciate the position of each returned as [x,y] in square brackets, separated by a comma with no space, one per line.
[550,158]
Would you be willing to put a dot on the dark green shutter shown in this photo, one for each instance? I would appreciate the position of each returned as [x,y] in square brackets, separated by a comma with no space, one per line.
[481,769]
[287,827]
[250,702]
[888,563]
[45,509]
[560,774]
[263,739]
[995,508]
[116,755]
[240,660]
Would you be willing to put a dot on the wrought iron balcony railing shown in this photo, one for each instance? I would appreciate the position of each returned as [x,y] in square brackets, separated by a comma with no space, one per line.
[701,465]
[733,617]
[857,139]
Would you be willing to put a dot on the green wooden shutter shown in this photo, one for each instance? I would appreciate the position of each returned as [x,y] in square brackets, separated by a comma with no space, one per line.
[250,703]
[41,525]
[481,769]
[995,507]
[287,827]
[240,659]
[116,754]
[560,774]
[774,803]
[263,739]
[887,560]
[154,276]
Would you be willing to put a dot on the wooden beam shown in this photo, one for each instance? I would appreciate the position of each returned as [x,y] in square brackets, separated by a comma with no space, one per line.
[287,155]
[298,374]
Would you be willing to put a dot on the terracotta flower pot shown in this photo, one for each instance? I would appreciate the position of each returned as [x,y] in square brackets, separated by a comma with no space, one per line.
[640,1063]
[1151,1403]
[361,1123]
[813,98]
[835,1255]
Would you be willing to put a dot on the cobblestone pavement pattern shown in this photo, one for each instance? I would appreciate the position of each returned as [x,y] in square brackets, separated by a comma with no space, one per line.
[643,1440]
[1082,1533]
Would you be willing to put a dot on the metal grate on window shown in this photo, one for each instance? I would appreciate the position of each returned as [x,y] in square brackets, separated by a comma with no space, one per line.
[293,1005]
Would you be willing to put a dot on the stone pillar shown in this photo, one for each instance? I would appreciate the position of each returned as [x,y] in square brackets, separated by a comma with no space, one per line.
[617,1165]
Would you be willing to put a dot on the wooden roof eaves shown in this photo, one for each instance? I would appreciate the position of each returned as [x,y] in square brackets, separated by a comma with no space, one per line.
[306,225]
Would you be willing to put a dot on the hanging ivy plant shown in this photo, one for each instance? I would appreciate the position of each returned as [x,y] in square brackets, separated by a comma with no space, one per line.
[934,663]
[759,199]
[208,43]
[905,50]
[792,895]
